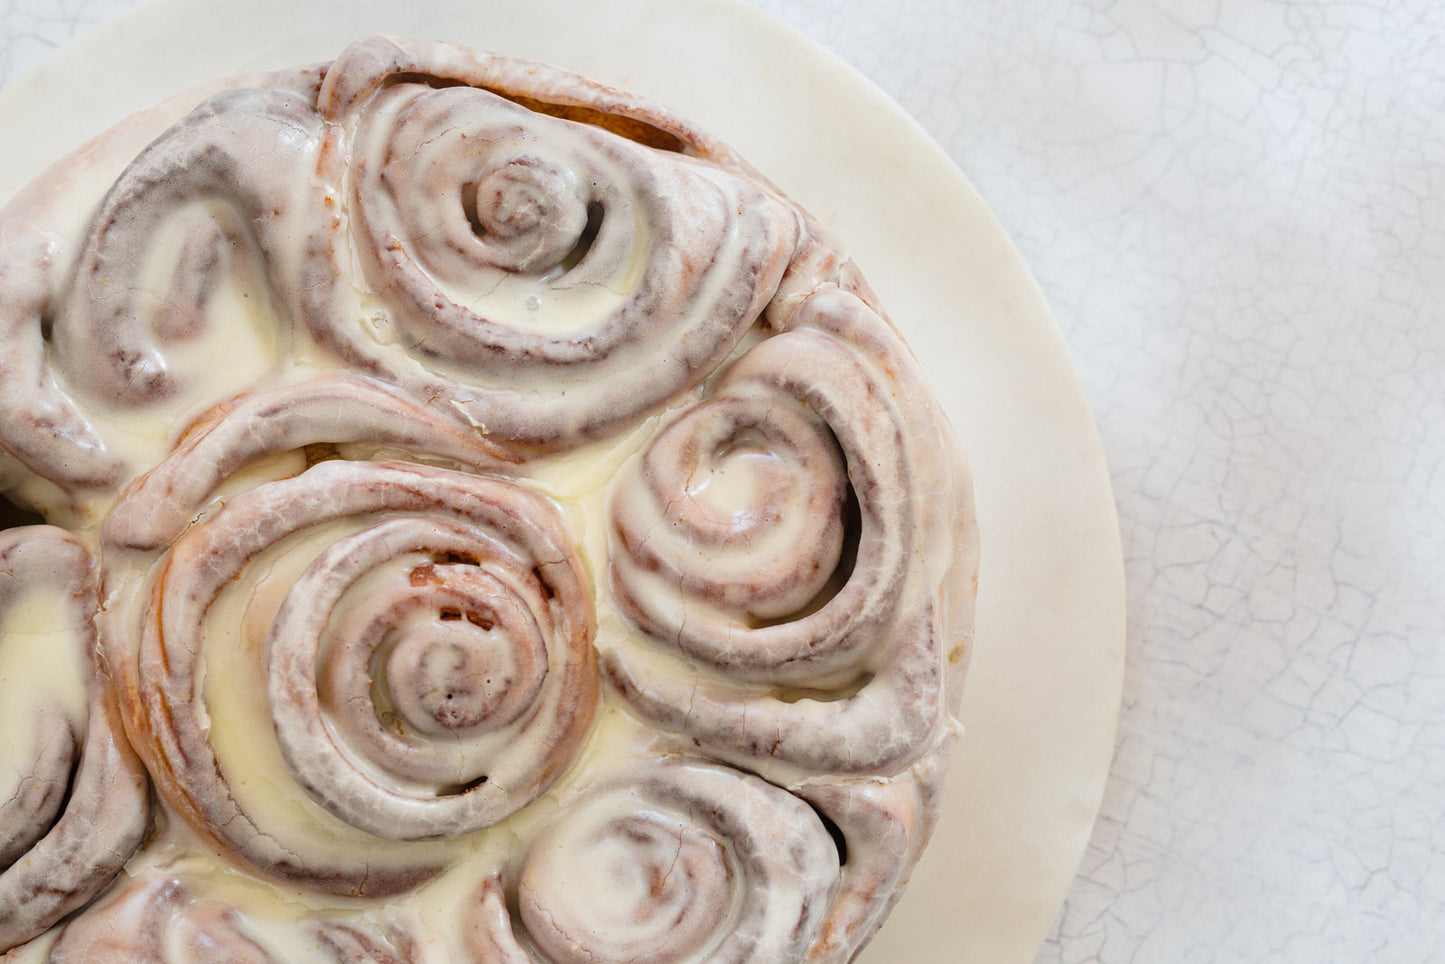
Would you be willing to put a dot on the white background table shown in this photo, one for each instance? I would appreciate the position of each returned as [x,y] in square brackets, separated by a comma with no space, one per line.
[1236,209]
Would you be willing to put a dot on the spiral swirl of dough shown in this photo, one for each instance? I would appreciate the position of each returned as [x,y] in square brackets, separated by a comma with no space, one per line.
[161,919]
[529,266]
[882,827]
[203,178]
[824,651]
[428,670]
[157,921]
[228,213]
[484,634]
[351,945]
[669,861]
[73,806]
[40,424]
[329,410]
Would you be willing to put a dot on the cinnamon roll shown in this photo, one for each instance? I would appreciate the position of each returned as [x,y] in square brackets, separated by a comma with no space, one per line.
[880,827]
[674,861]
[163,919]
[787,535]
[158,922]
[527,266]
[427,667]
[227,215]
[520,536]
[73,798]
[199,185]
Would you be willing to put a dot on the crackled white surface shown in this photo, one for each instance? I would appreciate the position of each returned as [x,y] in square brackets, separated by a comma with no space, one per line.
[1237,211]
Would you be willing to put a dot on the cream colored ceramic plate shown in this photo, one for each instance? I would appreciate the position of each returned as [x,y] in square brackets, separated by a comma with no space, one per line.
[1043,693]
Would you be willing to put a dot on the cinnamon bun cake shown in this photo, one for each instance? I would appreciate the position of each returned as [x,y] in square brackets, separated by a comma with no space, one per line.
[484,520]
